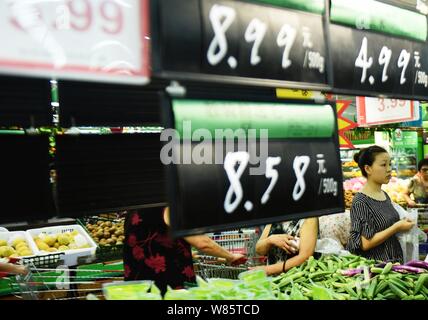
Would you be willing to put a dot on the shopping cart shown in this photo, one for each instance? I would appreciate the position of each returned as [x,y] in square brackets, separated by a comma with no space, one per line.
[235,241]
[207,270]
[422,214]
[61,283]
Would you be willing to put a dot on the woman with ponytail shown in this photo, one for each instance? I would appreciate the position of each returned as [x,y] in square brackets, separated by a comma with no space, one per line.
[374,221]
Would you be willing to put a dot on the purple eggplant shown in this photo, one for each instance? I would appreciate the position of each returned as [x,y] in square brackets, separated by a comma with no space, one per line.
[417,264]
[406,269]
[351,272]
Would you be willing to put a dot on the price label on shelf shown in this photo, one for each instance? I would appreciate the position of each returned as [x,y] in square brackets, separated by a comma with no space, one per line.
[371,111]
[101,40]
[237,39]
[371,63]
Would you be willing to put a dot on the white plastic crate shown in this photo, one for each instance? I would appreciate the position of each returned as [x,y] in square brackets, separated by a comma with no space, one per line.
[10,236]
[70,256]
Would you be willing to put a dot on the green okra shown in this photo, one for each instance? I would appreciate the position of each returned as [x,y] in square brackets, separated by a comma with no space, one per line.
[387,268]
[397,291]
[421,282]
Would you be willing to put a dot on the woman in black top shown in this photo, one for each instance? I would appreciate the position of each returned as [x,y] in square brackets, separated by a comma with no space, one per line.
[278,242]
[374,221]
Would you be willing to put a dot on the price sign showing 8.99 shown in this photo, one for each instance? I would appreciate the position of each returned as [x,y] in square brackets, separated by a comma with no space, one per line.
[257,41]
[238,41]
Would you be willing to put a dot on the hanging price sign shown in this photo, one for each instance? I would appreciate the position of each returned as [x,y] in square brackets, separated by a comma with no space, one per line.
[235,164]
[236,41]
[368,63]
[373,111]
[101,40]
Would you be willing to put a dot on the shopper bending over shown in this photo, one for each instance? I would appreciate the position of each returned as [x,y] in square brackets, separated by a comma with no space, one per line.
[150,253]
[374,221]
[418,186]
[278,243]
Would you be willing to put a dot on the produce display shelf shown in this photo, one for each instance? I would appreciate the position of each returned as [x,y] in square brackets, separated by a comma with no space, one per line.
[114,269]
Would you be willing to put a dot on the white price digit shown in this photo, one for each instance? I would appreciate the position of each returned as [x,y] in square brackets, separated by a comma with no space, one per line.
[403,62]
[255,32]
[385,59]
[300,165]
[221,18]
[362,61]
[330,186]
[233,158]
[272,174]
[286,38]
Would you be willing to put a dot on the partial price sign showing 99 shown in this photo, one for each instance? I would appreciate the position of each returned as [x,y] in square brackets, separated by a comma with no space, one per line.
[78,15]
[102,40]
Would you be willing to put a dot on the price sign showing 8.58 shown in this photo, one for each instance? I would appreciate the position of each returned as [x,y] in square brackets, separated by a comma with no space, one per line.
[236,163]
[103,40]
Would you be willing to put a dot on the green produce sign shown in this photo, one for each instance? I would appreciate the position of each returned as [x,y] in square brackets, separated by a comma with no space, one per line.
[316,6]
[405,139]
[281,120]
[378,16]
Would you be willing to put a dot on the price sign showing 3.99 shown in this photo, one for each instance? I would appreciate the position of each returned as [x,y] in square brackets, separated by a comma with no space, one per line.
[77,39]
[244,39]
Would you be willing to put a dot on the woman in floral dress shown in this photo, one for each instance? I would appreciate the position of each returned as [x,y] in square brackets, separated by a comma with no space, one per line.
[150,253]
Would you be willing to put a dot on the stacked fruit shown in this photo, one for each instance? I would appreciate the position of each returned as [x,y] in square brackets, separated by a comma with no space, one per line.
[19,248]
[107,233]
[61,241]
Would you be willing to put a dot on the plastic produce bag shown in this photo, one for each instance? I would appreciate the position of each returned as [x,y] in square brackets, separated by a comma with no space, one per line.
[330,246]
[409,240]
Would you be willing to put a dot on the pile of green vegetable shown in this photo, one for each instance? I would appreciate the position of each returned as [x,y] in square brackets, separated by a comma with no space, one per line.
[331,277]
[352,278]
[251,285]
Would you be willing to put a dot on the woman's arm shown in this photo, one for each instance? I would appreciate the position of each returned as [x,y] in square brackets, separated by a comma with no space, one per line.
[409,200]
[210,247]
[263,245]
[206,244]
[408,192]
[13,268]
[382,236]
[308,241]
[281,241]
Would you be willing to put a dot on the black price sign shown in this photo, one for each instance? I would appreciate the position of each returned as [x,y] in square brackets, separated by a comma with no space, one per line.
[299,179]
[222,183]
[237,39]
[369,62]
[420,84]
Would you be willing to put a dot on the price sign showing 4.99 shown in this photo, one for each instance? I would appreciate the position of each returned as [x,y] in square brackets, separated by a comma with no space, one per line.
[103,40]
[372,62]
